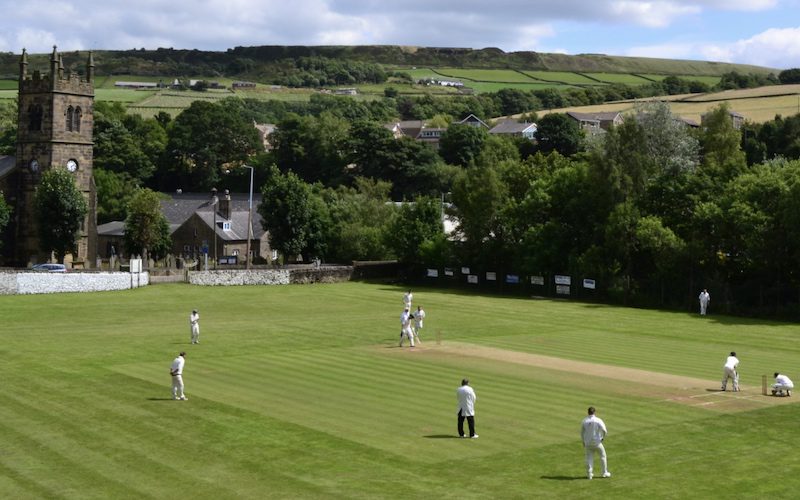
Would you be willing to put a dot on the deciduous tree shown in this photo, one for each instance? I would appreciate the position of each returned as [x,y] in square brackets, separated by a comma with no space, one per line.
[146,228]
[294,215]
[60,209]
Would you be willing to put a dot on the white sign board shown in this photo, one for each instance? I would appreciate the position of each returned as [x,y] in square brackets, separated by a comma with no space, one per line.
[472,278]
[491,276]
[433,273]
[562,289]
[588,283]
[563,280]
[537,280]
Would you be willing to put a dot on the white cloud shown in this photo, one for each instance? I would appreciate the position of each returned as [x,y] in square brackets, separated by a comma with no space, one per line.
[775,48]
[651,14]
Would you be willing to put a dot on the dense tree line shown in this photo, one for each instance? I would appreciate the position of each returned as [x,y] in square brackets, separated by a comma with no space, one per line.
[652,210]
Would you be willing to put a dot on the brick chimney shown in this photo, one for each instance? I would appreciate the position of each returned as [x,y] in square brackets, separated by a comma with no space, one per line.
[225,205]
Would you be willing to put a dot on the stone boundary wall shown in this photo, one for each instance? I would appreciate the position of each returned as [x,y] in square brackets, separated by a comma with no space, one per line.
[168,278]
[27,282]
[231,277]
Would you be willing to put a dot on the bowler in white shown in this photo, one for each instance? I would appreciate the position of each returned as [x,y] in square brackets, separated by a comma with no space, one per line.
[593,432]
[176,370]
[729,372]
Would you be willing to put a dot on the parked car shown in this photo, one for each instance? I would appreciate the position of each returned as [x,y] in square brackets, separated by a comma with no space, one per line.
[50,268]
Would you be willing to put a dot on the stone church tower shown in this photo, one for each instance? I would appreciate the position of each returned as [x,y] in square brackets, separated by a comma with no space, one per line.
[54,131]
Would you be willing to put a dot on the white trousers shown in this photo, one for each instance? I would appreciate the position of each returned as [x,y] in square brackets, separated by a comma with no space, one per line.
[195,334]
[408,333]
[703,306]
[782,387]
[590,451]
[177,386]
[730,373]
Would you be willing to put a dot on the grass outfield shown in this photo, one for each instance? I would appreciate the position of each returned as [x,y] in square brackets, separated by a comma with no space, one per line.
[300,392]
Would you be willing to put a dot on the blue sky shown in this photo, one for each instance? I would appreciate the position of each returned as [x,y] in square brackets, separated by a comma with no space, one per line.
[760,32]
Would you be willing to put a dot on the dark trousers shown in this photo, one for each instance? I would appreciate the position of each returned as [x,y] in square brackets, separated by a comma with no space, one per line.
[470,422]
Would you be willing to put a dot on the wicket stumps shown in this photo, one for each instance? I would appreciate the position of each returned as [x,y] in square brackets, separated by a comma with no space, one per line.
[764,385]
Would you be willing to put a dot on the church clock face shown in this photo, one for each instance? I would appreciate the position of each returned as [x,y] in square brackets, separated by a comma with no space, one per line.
[34,165]
[72,165]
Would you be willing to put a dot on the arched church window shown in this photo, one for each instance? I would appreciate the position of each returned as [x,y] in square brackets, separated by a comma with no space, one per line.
[70,112]
[76,119]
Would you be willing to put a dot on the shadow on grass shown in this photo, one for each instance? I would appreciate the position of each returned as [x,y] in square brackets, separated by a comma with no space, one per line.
[563,478]
[441,436]
[714,390]
[160,399]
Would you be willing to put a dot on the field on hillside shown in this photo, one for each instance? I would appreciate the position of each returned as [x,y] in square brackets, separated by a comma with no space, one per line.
[301,392]
[757,105]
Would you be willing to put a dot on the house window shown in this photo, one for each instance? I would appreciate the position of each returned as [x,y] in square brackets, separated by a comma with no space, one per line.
[226,226]
[70,112]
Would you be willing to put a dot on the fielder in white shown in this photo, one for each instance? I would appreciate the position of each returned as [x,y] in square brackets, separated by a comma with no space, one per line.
[419,317]
[405,328]
[176,370]
[407,298]
[730,372]
[194,325]
[466,408]
[704,298]
[782,383]
[593,431]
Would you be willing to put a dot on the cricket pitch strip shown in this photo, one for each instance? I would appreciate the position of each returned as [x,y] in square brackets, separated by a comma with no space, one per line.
[690,391]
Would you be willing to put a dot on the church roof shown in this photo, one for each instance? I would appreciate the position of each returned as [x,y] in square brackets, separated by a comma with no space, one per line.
[7,165]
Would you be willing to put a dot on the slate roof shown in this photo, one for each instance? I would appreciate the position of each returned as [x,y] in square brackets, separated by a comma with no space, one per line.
[113,228]
[511,127]
[179,207]
[7,165]
[605,116]
[474,121]
[409,128]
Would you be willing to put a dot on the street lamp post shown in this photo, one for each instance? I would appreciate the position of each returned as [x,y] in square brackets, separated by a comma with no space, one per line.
[250,216]
[214,202]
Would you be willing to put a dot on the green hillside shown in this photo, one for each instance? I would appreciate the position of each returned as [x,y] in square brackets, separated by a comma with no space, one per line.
[266,61]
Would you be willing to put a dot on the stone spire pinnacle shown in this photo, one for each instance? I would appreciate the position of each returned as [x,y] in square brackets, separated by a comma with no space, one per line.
[90,68]
[23,65]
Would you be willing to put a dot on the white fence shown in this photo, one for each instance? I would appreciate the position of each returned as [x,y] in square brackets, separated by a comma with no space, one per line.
[31,282]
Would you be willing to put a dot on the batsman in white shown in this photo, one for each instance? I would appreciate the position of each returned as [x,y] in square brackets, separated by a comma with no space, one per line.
[730,372]
[405,328]
[419,317]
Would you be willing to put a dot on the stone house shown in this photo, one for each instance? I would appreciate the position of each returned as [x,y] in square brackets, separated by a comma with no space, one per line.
[514,128]
[594,123]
